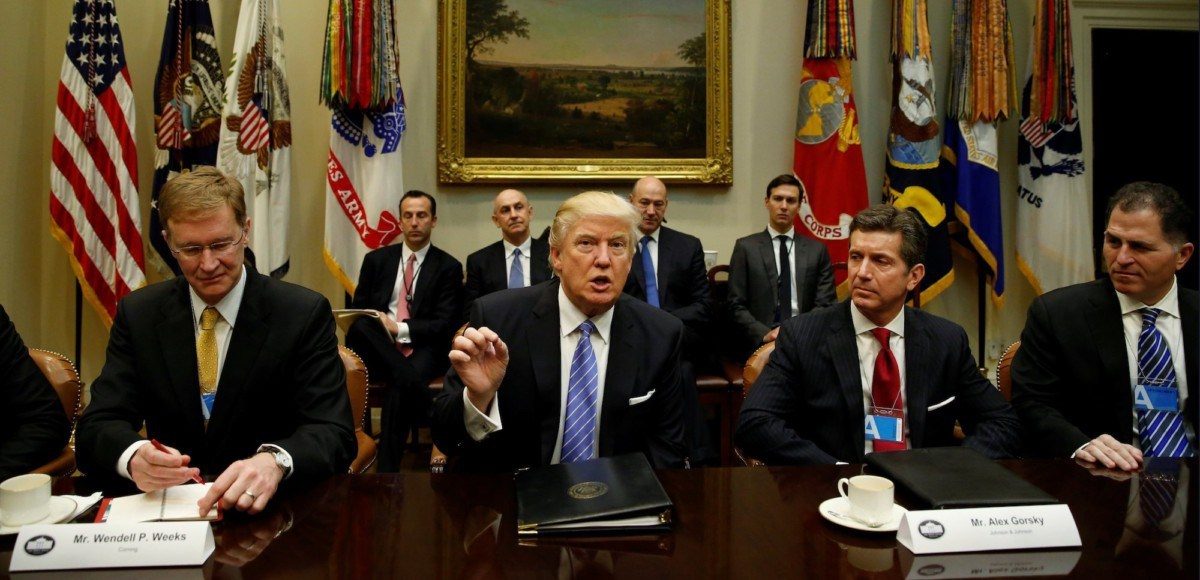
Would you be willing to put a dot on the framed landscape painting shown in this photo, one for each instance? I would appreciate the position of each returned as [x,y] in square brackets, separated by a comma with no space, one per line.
[541,90]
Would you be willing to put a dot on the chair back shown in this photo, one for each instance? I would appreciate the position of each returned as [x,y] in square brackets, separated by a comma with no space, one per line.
[754,366]
[1004,370]
[61,373]
[356,388]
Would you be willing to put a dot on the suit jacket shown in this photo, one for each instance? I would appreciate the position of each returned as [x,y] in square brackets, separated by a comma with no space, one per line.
[754,281]
[33,427]
[682,279]
[282,383]
[1070,379]
[807,405]
[643,356]
[487,272]
[436,309]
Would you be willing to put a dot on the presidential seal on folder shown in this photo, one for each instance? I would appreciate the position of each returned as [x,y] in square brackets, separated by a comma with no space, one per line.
[609,495]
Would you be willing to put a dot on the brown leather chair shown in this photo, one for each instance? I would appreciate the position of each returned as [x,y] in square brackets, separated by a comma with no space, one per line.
[1004,370]
[356,387]
[754,367]
[64,377]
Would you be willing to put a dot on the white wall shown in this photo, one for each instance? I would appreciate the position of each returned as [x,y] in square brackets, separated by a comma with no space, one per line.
[36,284]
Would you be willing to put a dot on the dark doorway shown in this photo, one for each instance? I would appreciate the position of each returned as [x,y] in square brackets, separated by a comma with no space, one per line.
[1146,119]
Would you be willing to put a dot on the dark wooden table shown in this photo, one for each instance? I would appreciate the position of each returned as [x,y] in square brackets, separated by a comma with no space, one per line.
[759,523]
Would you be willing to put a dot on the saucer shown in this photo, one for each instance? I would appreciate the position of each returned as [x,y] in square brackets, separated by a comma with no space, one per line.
[61,509]
[833,508]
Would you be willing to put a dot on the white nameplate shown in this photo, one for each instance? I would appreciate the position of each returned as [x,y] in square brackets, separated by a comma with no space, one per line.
[991,564]
[988,529]
[143,545]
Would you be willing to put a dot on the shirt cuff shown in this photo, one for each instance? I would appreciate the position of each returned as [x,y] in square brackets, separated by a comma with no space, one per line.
[271,447]
[123,460]
[1089,442]
[402,333]
[478,424]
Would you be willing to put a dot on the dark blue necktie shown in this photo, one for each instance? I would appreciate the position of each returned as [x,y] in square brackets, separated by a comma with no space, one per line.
[648,271]
[784,310]
[1161,432]
[516,274]
[579,430]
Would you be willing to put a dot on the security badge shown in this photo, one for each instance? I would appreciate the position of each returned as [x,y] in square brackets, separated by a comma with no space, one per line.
[1149,397]
[885,424]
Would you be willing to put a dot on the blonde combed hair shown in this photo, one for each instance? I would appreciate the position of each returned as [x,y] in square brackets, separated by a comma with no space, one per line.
[592,204]
[200,191]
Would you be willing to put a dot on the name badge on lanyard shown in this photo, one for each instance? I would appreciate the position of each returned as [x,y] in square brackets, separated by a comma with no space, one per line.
[884,424]
[1155,398]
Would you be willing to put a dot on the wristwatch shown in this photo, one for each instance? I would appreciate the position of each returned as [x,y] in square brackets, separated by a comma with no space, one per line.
[283,460]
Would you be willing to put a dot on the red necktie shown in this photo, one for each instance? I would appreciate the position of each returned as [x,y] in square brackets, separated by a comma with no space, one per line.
[402,313]
[885,387]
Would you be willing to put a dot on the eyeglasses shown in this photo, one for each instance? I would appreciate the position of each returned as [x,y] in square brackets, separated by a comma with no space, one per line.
[218,249]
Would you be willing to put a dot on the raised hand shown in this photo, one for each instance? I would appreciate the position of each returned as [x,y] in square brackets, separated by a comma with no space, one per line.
[480,358]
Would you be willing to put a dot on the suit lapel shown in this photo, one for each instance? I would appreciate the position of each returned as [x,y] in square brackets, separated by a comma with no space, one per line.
[766,250]
[1108,334]
[623,345]
[425,280]
[177,338]
[1188,312]
[918,376]
[496,261]
[843,350]
[249,334]
[387,277]
[800,266]
[539,264]
[544,345]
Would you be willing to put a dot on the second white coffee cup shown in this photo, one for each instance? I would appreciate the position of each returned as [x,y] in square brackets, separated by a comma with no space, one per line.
[24,499]
[870,496]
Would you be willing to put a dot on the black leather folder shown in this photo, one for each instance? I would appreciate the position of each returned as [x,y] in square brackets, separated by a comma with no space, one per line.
[610,495]
[956,477]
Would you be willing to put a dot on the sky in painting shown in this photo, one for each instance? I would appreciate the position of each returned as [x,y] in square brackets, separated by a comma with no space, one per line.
[624,33]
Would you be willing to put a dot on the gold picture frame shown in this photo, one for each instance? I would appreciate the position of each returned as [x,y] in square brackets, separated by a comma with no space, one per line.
[711,161]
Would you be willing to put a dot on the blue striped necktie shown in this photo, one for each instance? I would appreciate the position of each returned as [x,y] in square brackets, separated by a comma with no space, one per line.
[579,433]
[648,271]
[1161,432]
[516,274]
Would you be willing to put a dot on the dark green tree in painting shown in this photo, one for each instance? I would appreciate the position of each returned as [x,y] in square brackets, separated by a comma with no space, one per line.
[690,119]
[491,21]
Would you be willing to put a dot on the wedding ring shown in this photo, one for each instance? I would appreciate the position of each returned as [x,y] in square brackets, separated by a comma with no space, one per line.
[251,494]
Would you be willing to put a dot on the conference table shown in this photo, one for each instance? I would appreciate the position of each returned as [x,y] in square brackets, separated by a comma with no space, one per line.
[743,522]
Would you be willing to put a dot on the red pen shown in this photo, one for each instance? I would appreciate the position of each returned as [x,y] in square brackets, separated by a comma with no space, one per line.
[163,448]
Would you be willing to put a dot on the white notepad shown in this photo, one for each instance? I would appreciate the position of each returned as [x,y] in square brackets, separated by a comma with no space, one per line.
[174,504]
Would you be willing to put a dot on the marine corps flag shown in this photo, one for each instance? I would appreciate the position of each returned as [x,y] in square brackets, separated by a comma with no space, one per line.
[1054,228]
[911,177]
[256,136]
[364,179]
[981,95]
[827,153]
[93,171]
[187,103]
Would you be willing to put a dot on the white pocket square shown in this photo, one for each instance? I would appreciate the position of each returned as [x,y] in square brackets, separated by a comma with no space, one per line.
[642,399]
[941,404]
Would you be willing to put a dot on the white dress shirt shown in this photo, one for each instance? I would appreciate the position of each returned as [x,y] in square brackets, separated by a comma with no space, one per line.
[399,292]
[868,349]
[508,259]
[480,425]
[791,241]
[1168,323]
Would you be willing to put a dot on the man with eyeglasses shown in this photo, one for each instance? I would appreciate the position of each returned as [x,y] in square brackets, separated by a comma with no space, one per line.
[234,374]
[569,369]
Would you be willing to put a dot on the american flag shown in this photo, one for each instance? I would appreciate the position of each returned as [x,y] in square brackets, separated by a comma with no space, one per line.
[93,177]
[255,128]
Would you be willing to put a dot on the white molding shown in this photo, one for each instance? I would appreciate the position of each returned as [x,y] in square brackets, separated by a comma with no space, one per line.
[1087,15]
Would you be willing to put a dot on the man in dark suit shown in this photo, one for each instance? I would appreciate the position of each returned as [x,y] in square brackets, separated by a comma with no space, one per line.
[417,288]
[870,375]
[237,373]
[33,427]
[569,369]
[1104,364]
[758,299]
[517,260]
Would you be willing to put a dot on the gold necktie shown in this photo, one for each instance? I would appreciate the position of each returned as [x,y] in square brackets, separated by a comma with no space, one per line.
[206,350]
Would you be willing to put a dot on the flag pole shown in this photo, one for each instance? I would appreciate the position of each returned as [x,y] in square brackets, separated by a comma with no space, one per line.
[78,328]
[981,295]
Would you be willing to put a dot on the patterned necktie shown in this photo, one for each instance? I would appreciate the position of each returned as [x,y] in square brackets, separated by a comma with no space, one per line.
[1161,433]
[206,357]
[579,433]
[403,300]
[1158,483]
[784,309]
[885,387]
[516,274]
[648,271]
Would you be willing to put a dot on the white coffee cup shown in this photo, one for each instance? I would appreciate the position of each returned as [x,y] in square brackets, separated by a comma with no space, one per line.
[870,496]
[24,499]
